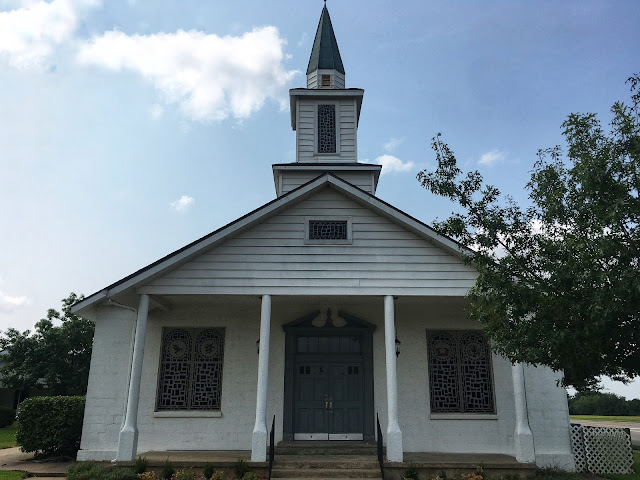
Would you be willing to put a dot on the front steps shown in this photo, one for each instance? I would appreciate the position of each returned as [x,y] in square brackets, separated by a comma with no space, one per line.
[310,460]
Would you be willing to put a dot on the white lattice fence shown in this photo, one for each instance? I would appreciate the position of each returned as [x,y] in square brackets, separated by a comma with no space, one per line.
[601,449]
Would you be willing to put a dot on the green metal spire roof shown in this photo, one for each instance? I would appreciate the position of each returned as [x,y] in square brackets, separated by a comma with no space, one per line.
[325,53]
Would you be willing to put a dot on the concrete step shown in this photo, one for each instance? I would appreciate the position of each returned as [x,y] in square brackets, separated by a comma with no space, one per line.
[326,473]
[325,461]
[325,448]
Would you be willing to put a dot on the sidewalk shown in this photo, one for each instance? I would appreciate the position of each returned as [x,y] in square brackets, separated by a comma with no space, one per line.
[14,459]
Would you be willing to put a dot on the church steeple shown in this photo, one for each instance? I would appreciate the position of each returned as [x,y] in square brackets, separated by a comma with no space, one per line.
[325,117]
[325,68]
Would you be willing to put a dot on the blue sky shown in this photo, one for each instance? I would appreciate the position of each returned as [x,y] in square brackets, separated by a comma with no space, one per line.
[129,128]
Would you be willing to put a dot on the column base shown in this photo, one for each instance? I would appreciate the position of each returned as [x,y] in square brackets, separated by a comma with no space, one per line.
[127,445]
[259,446]
[394,446]
[524,448]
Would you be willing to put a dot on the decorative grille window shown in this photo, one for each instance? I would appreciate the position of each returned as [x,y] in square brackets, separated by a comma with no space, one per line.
[191,369]
[326,129]
[328,230]
[460,378]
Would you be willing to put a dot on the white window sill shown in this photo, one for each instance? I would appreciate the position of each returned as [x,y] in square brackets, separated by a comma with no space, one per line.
[187,414]
[463,416]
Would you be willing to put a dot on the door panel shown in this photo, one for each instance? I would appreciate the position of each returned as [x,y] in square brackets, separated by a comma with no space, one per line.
[329,400]
[312,386]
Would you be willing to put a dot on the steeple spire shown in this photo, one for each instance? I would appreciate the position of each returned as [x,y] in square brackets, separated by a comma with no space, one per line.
[325,68]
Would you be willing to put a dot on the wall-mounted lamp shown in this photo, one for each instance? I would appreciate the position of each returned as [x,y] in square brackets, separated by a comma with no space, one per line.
[398,342]
[258,346]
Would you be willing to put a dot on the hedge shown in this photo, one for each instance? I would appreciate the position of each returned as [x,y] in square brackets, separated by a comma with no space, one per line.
[50,425]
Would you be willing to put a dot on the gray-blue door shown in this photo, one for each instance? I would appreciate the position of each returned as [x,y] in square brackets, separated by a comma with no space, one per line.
[329,399]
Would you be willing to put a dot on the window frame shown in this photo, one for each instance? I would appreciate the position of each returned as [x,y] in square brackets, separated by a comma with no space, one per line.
[316,139]
[347,241]
[189,411]
[461,414]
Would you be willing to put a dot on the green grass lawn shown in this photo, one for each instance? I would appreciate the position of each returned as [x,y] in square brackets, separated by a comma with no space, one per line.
[11,475]
[8,437]
[597,418]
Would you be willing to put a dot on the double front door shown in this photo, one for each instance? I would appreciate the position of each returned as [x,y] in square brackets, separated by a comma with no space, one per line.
[329,400]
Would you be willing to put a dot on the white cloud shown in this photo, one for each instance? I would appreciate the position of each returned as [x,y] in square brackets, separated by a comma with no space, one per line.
[209,77]
[303,39]
[156,111]
[393,143]
[183,203]
[492,157]
[392,164]
[30,33]
[9,303]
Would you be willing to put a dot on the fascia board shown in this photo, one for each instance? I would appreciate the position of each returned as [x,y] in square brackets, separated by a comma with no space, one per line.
[326,166]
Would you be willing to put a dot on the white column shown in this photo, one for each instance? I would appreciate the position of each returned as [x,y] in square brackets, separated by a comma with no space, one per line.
[259,441]
[523,438]
[128,441]
[394,435]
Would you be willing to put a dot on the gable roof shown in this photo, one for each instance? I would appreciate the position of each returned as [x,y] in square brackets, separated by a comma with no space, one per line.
[325,53]
[192,250]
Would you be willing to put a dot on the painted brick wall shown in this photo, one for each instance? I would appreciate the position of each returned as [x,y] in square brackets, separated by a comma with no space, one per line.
[108,383]
[240,316]
[548,417]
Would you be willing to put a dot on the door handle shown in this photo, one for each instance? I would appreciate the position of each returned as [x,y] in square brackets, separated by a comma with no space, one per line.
[330,403]
[326,402]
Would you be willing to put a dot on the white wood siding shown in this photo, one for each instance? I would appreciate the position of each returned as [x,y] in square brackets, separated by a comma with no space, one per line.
[271,258]
[305,131]
[292,180]
[345,124]
[312,79]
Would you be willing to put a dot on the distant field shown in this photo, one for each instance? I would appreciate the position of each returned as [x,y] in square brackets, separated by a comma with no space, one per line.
[597,418]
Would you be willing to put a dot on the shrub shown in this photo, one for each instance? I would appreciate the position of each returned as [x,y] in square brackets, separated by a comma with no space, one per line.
[85,471]
[148,476]
[250,476]
[50,425]
[219,475]
[141,465]
[184,475]
[168,470]
[240,468]
[7,416]
[207,471]
[411,472]
[120,474]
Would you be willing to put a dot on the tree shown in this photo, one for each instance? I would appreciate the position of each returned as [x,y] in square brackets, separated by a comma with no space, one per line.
[559,281]
[596,403]
[54,357]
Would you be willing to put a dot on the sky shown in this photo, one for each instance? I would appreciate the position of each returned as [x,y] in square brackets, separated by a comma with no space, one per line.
[129,128]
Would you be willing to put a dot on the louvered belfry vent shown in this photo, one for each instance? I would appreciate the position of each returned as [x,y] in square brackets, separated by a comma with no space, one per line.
[328,230]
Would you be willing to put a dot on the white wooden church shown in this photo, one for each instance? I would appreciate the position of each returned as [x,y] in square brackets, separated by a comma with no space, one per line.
[323,308]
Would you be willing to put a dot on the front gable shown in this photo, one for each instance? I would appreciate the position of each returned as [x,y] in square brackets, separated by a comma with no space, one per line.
[273,257]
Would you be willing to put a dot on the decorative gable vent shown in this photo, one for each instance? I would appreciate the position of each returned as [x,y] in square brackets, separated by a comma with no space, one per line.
[327,230]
